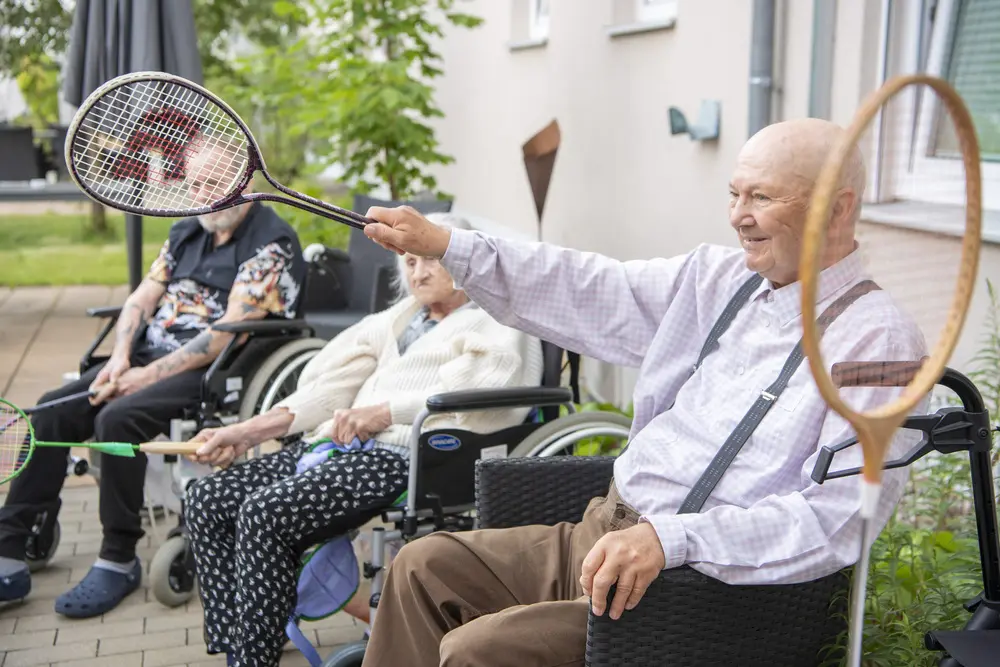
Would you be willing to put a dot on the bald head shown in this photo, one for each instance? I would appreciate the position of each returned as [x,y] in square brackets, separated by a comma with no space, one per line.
[797,149]
[775,175]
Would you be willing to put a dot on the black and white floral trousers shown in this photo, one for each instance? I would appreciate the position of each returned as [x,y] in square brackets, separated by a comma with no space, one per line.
[249,525]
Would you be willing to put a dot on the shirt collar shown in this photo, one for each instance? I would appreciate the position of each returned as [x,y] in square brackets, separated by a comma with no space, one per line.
[786,302]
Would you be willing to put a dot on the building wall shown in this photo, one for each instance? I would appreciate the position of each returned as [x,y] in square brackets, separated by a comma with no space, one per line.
[622,184]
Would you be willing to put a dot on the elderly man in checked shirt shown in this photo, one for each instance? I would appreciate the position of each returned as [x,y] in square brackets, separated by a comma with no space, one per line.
[519,596]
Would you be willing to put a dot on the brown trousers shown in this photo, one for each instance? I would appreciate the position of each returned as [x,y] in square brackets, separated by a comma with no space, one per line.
[492,598]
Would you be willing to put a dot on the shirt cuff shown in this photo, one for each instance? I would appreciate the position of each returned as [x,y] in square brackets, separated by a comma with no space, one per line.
[673,538]
[458,255]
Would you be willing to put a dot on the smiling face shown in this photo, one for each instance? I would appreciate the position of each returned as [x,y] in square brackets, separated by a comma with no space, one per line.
[769,197]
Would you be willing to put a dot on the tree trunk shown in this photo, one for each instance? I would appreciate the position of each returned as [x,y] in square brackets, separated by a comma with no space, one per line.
[98,219]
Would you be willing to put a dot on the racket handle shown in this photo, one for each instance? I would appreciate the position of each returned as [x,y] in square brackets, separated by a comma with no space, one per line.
[160,447]
[874,373]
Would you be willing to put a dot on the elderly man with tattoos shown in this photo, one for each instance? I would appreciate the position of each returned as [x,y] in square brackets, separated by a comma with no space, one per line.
[237,264]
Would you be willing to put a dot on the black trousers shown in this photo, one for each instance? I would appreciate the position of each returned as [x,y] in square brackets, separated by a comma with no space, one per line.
[135,418]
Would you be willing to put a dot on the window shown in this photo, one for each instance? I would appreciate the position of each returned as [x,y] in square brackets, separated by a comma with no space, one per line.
[917,157]
[538,25]
[973,67]
[655,10]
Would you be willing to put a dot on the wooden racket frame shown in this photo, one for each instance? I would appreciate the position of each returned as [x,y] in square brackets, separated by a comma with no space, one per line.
[255,162]
[875,428]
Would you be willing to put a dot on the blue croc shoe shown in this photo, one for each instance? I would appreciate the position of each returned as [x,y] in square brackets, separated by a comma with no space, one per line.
[15,586]
[99,592]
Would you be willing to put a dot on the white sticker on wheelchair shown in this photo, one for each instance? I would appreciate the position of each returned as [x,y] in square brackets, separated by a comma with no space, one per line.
[495,452]
[234,384]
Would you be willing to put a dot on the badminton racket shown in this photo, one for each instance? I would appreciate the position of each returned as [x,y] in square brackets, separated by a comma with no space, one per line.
[18,443]
[159,145]
[47,405]
[926,279]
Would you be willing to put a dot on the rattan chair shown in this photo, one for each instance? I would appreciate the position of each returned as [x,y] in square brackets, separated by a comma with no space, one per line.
[685,619]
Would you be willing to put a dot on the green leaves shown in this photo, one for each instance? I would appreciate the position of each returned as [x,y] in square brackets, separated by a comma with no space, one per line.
[30,31]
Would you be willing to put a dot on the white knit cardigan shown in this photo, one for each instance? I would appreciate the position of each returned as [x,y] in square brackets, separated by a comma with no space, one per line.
[467,349]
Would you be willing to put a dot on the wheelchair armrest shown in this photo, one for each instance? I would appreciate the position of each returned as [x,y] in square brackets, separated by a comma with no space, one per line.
[488,399]
[530,490]
[104,311]
[261,327]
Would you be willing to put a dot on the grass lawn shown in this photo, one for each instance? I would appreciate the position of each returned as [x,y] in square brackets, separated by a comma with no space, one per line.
[54,249]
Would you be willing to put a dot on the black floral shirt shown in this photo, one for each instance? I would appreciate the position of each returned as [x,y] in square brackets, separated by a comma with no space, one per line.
[265,281]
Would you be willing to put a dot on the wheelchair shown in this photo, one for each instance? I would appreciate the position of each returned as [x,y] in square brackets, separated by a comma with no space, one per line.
[249,377]
[678,620]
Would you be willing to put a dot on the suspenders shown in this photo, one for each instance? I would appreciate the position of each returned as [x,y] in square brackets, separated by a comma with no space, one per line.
[734,443]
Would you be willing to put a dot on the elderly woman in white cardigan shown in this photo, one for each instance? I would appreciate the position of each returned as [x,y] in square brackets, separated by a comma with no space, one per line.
[249,523]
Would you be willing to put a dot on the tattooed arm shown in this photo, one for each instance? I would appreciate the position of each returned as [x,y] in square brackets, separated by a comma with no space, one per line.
[205,347]
[138,307]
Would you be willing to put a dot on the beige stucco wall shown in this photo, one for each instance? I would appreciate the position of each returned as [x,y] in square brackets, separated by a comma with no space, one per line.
[623,185]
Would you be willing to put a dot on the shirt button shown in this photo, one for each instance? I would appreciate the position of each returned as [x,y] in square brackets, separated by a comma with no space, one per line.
[740,370]
[767,322]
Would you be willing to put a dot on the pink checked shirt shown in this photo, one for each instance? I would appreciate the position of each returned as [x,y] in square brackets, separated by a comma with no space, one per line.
[766,521]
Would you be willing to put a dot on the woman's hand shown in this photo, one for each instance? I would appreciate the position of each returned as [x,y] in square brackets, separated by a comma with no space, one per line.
[221,446]
[361,422]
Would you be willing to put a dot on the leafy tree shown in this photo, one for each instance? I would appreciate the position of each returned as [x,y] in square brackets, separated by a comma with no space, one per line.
[30,30]
[363,73]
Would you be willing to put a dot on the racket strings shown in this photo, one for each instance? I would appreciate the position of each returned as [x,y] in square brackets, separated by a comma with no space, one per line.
[15,442]
[139,144]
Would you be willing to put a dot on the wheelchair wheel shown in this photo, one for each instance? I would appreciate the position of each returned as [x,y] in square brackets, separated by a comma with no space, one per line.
[351,655]
[172,582]
[560,436]
[277,376]
[37,553]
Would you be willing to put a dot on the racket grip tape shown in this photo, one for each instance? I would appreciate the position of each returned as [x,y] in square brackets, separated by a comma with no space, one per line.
[870,492]
[161,447]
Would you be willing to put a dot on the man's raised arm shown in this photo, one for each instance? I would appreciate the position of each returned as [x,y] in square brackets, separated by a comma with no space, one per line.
[585,302]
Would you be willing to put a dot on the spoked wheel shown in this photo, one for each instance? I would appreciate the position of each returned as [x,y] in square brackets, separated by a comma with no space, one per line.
[351,655]
[562,435]
[171,574]
[278,376]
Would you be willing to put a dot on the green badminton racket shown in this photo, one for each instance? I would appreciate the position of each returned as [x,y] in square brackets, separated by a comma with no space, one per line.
[17,443]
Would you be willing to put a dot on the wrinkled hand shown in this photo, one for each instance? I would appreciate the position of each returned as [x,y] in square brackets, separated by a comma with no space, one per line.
[221,446]
[632,557]
[105,384]
[403,230]
[361,422]
[133,380]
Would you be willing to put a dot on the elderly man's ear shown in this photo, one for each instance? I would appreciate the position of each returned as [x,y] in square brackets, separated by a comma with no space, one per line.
[844,207]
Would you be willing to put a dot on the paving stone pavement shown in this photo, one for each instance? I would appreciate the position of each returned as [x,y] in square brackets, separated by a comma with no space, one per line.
[43,332]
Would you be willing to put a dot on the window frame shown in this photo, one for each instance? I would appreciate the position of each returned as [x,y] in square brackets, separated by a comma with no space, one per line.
[538,22]
[654,11]
[897,179]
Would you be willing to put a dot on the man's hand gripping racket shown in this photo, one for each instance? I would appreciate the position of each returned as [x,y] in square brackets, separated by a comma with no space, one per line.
[159,145]
[928,279]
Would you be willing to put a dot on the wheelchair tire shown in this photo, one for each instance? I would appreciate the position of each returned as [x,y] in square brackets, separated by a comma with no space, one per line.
[350,655]
[172,585]
[37,561]
[285,364]
[546,440]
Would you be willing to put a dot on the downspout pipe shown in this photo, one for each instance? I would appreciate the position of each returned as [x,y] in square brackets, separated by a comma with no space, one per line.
[761,65]
[821,76]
